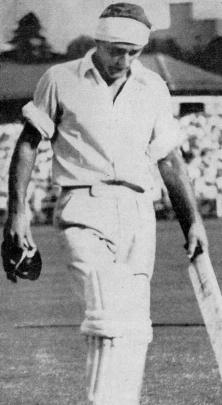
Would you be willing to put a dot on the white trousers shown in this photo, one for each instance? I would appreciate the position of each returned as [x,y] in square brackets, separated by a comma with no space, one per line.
[110,230]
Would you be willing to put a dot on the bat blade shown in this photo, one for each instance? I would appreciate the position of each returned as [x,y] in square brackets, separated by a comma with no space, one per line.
[209,298]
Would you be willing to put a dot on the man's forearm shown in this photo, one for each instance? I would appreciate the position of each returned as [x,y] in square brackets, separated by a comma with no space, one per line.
[175,177]
[22,163]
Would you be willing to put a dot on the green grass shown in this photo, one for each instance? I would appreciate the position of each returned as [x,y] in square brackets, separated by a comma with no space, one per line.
[42,353]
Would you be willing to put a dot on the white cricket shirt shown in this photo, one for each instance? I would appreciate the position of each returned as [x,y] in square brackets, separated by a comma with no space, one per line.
[95,139]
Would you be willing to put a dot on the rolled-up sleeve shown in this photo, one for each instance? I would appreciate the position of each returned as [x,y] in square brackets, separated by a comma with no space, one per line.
[166,134]
[41,112]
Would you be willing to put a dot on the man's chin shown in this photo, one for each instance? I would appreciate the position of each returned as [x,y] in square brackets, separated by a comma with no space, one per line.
[117,73]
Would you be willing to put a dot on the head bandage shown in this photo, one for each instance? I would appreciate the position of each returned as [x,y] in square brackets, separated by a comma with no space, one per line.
[124,22]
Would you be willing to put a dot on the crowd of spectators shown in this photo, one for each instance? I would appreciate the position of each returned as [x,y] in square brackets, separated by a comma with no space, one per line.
[201,147]
[202,151]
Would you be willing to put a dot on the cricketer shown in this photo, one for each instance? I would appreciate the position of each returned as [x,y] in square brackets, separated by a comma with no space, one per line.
[109,120]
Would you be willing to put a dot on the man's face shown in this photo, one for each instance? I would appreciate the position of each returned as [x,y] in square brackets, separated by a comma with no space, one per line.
[115,58]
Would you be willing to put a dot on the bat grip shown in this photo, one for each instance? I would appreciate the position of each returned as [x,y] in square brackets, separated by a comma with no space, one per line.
[198,251]
[185,228]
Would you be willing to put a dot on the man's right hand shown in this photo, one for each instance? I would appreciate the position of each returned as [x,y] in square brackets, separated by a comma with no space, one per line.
[18,227]
[20,256]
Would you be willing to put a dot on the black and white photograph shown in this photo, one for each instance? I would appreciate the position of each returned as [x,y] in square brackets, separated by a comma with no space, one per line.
[111,202]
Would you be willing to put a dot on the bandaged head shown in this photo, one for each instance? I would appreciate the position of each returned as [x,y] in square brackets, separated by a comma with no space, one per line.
[124,22]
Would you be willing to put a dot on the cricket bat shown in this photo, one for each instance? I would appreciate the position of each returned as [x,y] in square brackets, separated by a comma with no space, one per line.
[209,298]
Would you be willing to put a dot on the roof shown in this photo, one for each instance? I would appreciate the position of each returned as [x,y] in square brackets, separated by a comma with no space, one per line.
[18,81]
[181,77]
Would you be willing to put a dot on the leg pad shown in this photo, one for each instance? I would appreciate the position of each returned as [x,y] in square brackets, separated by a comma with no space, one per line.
[118,328]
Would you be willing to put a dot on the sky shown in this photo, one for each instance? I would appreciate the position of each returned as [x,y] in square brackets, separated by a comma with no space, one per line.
[207,9]
[64,20]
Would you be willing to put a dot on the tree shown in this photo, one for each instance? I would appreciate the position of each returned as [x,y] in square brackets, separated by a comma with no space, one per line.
[29,44]
[79,46]
[167,46]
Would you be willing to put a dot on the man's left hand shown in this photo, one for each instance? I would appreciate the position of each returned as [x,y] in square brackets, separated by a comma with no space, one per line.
[196,238]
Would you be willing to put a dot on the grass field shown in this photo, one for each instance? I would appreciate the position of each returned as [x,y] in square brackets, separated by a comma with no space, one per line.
[42,354]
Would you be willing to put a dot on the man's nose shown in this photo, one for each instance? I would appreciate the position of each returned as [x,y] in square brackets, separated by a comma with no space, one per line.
[125,61]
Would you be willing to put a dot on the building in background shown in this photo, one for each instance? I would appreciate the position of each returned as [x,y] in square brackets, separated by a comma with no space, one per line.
[194,23]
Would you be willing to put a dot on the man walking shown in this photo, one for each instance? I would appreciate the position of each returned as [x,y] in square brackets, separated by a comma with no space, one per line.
[109,119]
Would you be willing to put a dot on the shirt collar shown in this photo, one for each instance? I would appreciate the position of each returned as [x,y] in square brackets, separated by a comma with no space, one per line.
[87,64]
